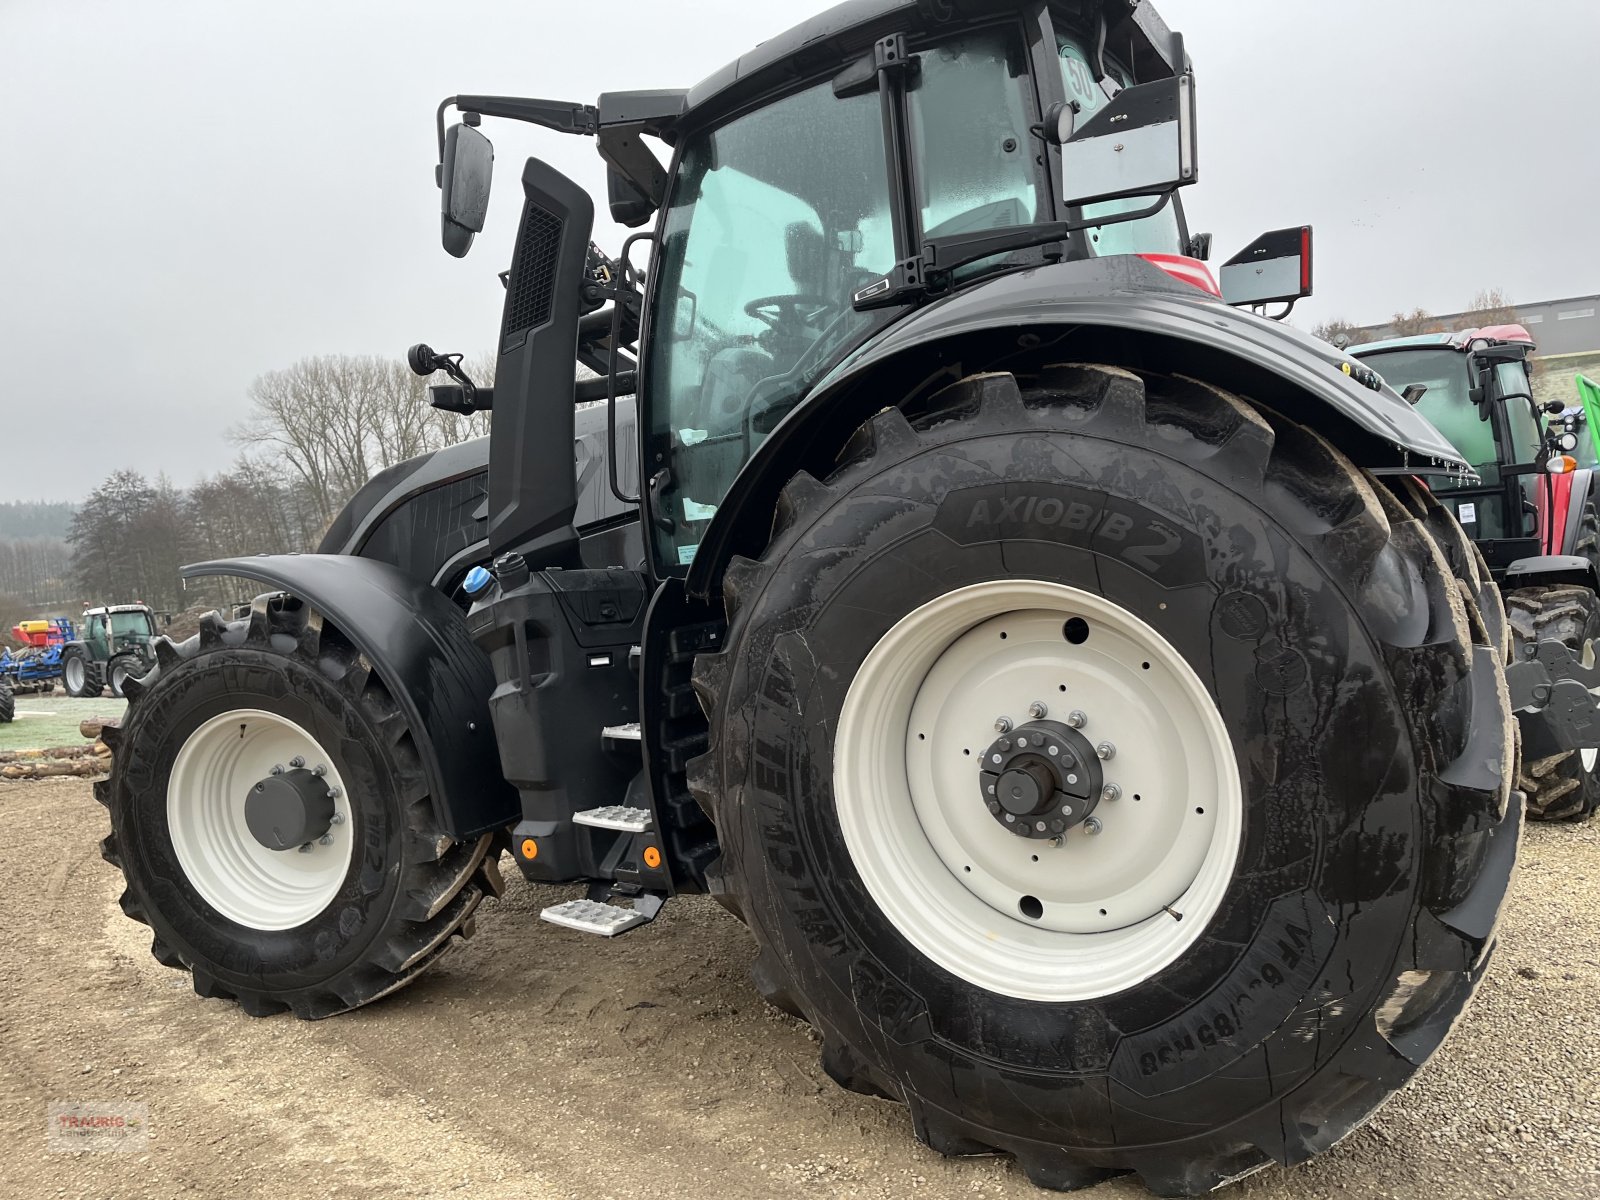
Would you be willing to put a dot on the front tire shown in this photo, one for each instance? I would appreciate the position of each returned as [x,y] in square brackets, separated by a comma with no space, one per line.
[1336,908]
[375,893]
[1563,786]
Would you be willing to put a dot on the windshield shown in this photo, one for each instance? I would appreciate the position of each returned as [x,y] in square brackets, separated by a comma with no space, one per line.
[776,219]
[125,624]
[1158,234]
[1446,403]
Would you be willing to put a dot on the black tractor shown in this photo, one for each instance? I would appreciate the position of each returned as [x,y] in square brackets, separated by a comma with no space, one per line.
[1533,511]
[1056,668]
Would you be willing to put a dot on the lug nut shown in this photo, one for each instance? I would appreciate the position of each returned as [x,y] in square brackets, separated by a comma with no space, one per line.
[297,762]
[1011,819]
[1106,751]
[1037,710]
[1111,792]
[277,769]
[1058,842]
[306,849]
[325,840]
[1002,724]
[1038,826]
[337,819]
[335,792]
[1092,826]
[1077,718]
[319,770]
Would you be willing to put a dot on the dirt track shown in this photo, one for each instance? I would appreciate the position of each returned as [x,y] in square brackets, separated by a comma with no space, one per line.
[542,1063]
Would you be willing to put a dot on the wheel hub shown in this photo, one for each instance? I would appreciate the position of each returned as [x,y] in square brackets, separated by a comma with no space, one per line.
[1041,779]
[289,810]
[1051,915]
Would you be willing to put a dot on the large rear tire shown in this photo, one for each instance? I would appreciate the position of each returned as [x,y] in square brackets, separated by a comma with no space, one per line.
[375,892]
[1563,786]
[8,702]
[1262,631]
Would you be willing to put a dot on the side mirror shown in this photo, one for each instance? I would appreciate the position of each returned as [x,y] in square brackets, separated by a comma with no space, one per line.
[464,178]
[628,205]
[1273,269]
[1140,144]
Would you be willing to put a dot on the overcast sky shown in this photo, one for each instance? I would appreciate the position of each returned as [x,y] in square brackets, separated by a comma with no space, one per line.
[195,192]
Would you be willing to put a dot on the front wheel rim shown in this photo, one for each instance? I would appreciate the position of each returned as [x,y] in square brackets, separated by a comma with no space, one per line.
[234,873]
[1100,911]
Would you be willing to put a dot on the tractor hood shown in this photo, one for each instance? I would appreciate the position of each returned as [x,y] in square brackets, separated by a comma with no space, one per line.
[1128,293]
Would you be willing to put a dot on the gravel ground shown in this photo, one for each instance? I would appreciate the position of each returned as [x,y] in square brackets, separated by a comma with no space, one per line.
[542,1063]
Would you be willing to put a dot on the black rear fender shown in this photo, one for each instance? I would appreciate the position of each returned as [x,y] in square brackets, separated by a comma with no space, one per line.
[1114,311]
[417,642]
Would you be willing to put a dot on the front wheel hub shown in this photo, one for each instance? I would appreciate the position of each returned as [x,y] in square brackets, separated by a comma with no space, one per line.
[1041,780]
[289,810]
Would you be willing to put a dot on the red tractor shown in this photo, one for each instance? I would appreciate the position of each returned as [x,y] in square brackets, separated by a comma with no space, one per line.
[1534,515]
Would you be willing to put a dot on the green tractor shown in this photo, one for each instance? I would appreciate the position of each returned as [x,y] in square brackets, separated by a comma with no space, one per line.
[118,644]
[1055,667]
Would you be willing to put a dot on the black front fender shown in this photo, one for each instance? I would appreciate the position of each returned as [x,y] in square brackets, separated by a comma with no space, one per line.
[417,642]
[1119,311]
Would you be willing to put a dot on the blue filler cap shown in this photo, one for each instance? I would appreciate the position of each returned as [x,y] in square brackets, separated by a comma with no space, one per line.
[477,580]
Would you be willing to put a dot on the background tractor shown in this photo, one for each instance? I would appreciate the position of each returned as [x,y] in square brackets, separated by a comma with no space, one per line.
[1534,514]
[118,644]
[1059,671]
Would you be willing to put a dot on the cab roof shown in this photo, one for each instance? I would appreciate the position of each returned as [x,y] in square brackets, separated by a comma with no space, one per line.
[852,27]
[1461,340]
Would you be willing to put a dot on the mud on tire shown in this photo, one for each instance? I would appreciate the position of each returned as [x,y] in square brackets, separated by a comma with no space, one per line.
[409,889]
[1360,683]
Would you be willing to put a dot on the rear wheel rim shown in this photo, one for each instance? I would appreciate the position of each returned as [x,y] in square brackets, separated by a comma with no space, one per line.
[243,880]
[1098,913]
[74,674]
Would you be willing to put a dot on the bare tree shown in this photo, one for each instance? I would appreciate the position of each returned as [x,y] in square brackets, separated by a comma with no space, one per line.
[1418,320]
[1490,306]
[1332,331]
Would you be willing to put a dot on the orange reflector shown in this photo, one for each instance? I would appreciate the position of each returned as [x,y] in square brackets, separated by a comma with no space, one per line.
[652,857]
[530,848]
[1570,463]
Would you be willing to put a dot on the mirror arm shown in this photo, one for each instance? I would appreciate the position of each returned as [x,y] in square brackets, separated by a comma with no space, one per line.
[560,115]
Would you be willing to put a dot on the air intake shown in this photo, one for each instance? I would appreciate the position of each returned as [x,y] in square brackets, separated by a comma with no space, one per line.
[533,273]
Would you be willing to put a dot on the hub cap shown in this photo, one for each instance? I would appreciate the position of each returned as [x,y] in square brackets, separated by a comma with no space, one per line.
[227,834]
[1141,863]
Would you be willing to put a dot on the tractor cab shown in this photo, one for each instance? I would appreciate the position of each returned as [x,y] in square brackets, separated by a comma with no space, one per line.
[1475,387]
[816,198]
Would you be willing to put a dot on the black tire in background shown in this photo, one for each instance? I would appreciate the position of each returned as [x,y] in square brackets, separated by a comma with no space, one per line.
[1360,689]
[8,703]
[76,672]
[1563,786]
[120,669]
[409,887]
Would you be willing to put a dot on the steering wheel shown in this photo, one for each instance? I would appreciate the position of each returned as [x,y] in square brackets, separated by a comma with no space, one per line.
[775,310]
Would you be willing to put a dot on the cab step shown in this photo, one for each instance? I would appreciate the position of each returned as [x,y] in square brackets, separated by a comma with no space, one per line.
[622,739]
[614,816]
[595,914]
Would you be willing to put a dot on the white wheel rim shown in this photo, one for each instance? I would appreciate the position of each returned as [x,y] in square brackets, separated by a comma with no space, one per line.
[951,878]
[247,882]
[74,673]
